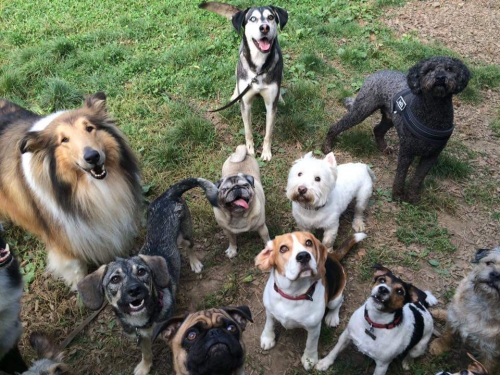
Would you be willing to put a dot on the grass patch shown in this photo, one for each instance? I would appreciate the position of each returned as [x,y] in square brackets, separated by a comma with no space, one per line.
[450,166]
[359,142]
[495,125]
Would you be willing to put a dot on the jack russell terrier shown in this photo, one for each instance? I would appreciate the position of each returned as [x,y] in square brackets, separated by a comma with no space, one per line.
[304,281]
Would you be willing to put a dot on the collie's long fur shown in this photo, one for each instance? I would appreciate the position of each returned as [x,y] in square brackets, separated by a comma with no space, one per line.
[71,179]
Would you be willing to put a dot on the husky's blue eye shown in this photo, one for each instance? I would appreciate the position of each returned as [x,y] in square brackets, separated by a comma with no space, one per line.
[253,19]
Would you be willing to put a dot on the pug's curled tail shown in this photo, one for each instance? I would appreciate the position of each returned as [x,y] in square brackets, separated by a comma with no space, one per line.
[239,154]
[226,10]
[347,245]
[211,191]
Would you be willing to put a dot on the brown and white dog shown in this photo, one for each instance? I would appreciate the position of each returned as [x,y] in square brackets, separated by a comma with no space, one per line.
[208,342]
[71,179]
[304,281]
[475,368]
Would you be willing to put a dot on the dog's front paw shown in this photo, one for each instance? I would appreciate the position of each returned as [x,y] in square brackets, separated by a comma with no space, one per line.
[437,347]
[231,252]
[430,299]
[309,360]
[267,340]
[323,365]
[412,198]
[196,265]
[266,154]
[142,368]
[332,319]
[358,225]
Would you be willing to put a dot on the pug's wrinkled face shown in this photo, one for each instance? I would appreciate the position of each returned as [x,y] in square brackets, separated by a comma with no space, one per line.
[236,193]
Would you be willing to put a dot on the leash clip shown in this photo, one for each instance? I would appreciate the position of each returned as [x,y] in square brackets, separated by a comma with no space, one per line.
[138,337]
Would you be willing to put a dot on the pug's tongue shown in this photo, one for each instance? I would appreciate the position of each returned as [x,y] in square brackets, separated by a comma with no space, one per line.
[241,203]
[264,44]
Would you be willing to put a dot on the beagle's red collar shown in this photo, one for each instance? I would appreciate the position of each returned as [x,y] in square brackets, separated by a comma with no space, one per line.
[306,296]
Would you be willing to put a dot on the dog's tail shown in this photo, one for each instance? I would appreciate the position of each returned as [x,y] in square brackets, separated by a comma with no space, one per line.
[239,154]
[372,175]
[211,191]
[347,245]
[226,10]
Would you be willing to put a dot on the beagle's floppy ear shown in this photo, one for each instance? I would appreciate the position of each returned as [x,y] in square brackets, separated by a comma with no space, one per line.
[169,328]
[380,270]
[265,260]
[240,314]
[322,255]
[239,20]
[91,289]
[158,266]
[281,14]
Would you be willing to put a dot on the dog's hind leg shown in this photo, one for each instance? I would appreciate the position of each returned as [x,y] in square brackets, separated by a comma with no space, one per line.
[379,133]
[404,162]
[271,96]
[332,319]
[185,240]
[443,343]
[362,200]
[264,233]
[232,250]
[424,166]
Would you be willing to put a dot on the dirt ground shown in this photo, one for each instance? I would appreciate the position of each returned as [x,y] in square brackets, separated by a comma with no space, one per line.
[473,33]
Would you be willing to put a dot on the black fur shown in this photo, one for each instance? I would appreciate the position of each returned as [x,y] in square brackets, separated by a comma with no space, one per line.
[418,331]
[433,81]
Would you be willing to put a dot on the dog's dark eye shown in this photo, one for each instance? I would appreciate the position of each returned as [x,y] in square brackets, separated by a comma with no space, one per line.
[449,69]
[116,279]
[191,335]
[309,243]
[300,174]
[141,272]
[89,129]
[253,19]
[400,292]
[232,328]
[489,263]
[283,249]
[381,280]
[270,17]
[65,140]
[318,179]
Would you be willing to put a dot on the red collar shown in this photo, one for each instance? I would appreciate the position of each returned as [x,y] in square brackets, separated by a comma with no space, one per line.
[398,318]
[307,295]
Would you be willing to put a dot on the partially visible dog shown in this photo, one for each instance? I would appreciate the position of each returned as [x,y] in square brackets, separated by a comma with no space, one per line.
[474,312]
[304,281]
[241,200]
[260,63]
[142,289]
[393,322]
[51,357]
[208,342]
[71,179]
[320,192]
[475,368]
[11,289]
[419,105]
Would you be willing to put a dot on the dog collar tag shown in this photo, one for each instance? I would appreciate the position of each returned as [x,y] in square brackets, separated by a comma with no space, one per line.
[370,333]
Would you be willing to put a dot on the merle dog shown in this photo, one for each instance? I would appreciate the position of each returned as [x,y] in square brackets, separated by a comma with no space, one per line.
[142,289]
[420,107]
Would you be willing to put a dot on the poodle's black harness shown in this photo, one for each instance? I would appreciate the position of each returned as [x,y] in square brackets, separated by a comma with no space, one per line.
[401,104]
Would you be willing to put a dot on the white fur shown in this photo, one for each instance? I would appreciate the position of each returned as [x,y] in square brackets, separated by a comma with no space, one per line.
[389,343]
[296,314]
[330,196]
[45,121]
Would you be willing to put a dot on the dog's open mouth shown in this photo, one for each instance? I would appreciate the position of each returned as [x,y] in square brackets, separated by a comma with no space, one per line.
[263,45]
[378,299]
[240,203]
[305,272]
[98,172]
[136,305]
[5,256]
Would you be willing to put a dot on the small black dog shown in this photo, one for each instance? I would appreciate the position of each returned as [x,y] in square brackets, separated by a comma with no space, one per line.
[142,288]
[419,105]
[11,289]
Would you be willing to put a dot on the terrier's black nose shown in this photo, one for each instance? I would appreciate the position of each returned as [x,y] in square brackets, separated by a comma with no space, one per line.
[302,190]
[383,290]
[134,290]
[303,257]
[91,156]
[440,78]
[494,276]
[264,29]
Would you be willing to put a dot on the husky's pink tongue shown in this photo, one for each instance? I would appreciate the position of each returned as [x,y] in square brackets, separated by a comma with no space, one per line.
[241,203]
[264,44]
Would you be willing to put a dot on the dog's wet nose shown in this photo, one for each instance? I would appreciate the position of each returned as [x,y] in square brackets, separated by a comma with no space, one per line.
[494,276]
[91,156]
[264,29]
[383,290]
[440,78]
[302,190]
[134,290]
[303,257]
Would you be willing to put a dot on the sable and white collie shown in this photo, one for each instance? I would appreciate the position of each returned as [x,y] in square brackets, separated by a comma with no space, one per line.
[71,179]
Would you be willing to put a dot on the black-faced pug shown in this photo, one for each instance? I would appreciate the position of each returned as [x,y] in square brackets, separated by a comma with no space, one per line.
[208,342]
[141,289]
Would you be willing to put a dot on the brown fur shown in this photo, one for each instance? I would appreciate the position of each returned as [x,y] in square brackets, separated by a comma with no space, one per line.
[61,187]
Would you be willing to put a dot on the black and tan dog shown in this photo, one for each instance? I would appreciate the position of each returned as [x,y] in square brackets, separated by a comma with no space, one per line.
[208,342]
[474,312]
[419,105]
[260,63]
[142,289]
[11,289]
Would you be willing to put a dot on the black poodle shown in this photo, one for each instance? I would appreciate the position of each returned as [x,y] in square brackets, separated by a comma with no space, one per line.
[419,105]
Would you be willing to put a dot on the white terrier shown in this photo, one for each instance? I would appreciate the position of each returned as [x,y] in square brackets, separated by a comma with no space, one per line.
[320,191]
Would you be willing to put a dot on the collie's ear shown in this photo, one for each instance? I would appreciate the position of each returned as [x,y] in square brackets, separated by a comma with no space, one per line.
[30,142]
[96,101]
[91,289]
[158,266]
[265,260]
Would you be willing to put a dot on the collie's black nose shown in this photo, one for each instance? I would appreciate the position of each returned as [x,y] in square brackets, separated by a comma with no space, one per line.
[91,156]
